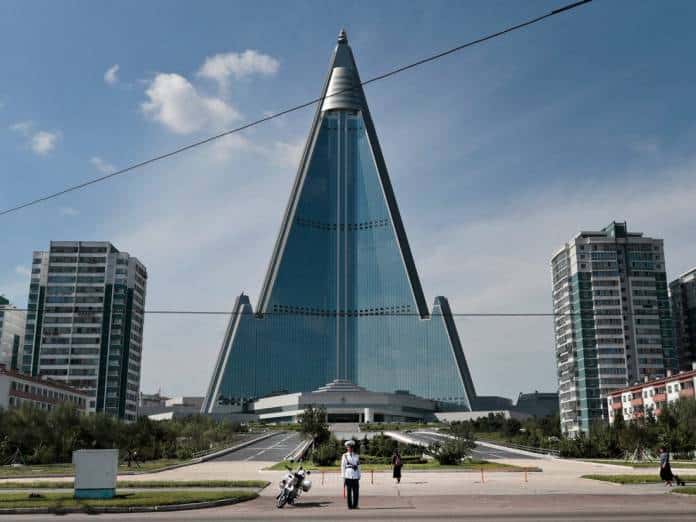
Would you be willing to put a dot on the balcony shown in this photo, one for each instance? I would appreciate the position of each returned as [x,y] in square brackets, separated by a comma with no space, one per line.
[659,397]
[616,406]
[637,402]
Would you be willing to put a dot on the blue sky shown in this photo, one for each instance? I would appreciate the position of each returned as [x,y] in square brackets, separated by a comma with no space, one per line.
[498,154]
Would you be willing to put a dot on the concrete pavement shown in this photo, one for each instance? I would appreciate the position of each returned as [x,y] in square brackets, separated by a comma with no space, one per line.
[437,507]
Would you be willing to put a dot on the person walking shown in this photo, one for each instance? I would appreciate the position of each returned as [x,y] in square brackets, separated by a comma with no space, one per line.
[350,471]
[397,464]
[666,469]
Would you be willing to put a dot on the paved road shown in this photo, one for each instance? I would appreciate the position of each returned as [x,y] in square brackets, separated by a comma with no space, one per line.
[516,508]
[273,449]
[480,452]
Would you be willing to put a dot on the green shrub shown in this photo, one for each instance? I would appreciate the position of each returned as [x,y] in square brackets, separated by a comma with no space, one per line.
[451,452]
[43,437]
[326,453]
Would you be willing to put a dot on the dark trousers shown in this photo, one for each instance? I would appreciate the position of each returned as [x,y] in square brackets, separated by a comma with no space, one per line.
[352,492]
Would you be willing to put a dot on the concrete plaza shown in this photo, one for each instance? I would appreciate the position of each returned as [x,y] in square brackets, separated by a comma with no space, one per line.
[556,493]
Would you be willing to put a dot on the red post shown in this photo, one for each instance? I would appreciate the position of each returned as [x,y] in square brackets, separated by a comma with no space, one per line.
[322,478]
[525,474]
[372,476]
[482,479]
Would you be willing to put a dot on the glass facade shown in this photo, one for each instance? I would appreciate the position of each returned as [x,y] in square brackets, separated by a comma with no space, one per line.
[341,300]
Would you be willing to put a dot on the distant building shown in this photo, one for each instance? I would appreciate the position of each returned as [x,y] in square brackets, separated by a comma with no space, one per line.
[151,400]
[634,402]
[12,323]
[613,323]
[17,390]
[537,404]
[85,322]
[175,407]
[683,294]
[491,403]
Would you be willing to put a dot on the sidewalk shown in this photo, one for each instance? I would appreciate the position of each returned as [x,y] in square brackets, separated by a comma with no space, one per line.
[559,476]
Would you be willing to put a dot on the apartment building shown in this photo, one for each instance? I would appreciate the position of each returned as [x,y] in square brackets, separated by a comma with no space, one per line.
[17,390]
[12,323]
[634,402]
[612,319]
[683,295]
[85,322]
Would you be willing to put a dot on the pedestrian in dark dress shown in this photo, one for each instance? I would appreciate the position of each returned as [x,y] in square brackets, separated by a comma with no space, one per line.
[666,469]
[396,462]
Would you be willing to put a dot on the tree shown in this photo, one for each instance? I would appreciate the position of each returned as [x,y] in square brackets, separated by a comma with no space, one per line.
[461,429]
[450,452]
[313,424]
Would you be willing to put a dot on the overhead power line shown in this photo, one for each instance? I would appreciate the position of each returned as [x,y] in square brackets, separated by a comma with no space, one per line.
[304,105]
[332,313]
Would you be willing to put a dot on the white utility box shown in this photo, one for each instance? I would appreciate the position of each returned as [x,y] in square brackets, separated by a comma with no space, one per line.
[95,473]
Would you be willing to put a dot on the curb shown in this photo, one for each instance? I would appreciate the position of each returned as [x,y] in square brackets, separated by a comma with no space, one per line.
[299,452]
[131,509]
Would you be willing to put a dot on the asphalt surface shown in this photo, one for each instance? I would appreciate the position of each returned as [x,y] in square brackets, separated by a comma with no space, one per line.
[274,448]
[593,508]
[484,453]
[480,452]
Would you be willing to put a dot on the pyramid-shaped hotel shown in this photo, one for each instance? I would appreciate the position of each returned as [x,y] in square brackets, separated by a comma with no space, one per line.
[342,299]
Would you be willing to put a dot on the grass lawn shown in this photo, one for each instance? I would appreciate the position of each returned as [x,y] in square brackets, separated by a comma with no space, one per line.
[689,464]
[144,484]
[474,465]
[149,498]
[636,479]
[691,490]
[48,470]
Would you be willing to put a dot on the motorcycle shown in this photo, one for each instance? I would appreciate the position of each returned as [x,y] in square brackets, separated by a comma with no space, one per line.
[292,485]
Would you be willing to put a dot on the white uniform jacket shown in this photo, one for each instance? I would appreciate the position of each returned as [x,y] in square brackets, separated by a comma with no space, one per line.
[348,471]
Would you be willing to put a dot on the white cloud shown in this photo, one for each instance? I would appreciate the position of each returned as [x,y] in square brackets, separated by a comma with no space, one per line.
[44,142]
[23,127]
[283,154]
[221,67]
[111,75]
[41,142]
[22,270]
[176,103]
[101,165]
[69,211]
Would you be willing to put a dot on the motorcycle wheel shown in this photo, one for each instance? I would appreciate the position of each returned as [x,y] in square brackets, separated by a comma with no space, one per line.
[281,500]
